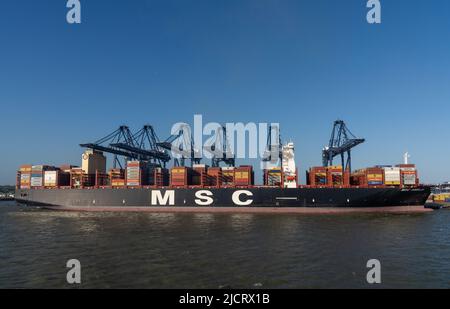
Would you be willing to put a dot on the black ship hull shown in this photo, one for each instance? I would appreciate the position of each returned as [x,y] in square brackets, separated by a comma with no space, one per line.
[231,198]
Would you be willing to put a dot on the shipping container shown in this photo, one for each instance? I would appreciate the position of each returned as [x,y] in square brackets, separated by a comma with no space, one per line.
[25,180]
[335,176]
[214,176]
[116,182]
[56,178]
[42,168]
[26,168]
[199,175]
[374,176]
[136,173]
[374,183]
[78,179]
[159,177]
[409,178]
[273,177]
[392,176]
[317,176]
[243,176]
[51,178]
[25,177]
[228,175]
[180,176]
[37,181]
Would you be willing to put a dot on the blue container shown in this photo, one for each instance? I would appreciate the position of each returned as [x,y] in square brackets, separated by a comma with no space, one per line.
[375,183]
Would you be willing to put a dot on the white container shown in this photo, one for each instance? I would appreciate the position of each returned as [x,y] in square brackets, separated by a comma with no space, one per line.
[50,178]
[25,177]
[409,179]
[392,174]
[36,181]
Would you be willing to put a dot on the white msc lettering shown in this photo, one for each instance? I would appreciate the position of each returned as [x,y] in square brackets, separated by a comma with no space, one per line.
[74,14]
[237,198]
[203,197]
[74,274]
[158,199]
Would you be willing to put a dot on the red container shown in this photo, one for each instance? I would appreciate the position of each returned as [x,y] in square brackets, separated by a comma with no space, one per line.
[180,176]
[317,176]
[243,176]
[214,176]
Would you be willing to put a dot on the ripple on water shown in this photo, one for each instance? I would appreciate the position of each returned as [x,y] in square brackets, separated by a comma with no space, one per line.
[222,250]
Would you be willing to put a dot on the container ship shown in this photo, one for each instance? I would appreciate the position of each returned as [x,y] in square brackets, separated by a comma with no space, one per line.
[145,184]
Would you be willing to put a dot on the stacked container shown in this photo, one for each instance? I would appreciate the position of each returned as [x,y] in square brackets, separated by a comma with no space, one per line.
[136,173]
[76,177]
[56,178]
[199,175]
[243,176]
[409,178]
[408,174]
[158,177]
[228,176]
[180,176]
[37,175]
[335,176]
[375,176]
[358,178]
[273,177]
[317,176]
[214,176]
[117,177]
[25,176]
[392,176]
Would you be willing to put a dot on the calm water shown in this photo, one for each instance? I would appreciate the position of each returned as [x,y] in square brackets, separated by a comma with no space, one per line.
[216,250]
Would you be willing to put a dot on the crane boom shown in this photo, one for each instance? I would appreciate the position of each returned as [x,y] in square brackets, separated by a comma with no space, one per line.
[341,142]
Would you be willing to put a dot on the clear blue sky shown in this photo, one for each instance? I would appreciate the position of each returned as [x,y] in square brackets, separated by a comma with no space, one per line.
[300,63]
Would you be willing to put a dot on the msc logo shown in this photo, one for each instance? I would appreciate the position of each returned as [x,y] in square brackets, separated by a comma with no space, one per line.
[202,198]
[159,200]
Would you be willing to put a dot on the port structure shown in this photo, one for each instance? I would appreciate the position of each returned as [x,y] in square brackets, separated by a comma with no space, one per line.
[182,147]
[225,154]
[146,147]
[139,146]
[341,142]
[274,147]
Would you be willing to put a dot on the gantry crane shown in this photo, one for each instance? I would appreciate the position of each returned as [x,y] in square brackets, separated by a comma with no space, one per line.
[274,147]
[221,149]
[341,143]
[146,147]
[181,146]
[139,146]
